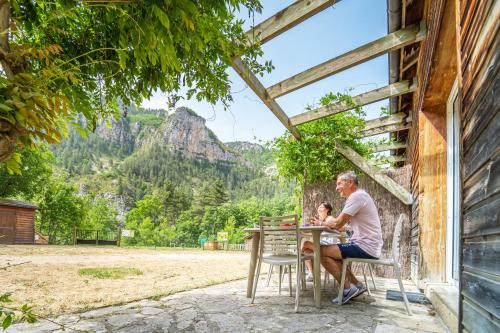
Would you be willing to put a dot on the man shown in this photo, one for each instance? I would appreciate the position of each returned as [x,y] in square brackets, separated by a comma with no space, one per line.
[366,241]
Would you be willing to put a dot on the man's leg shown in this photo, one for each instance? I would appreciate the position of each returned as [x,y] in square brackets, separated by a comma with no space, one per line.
[331,259]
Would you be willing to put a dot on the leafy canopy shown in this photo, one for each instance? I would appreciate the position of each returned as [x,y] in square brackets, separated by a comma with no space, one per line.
[315,158]
[61,59]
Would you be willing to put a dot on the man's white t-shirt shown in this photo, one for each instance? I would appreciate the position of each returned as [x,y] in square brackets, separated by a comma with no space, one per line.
[365,222]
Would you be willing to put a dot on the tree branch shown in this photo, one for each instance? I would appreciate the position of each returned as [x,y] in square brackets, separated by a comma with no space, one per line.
[10,266]
[4,37]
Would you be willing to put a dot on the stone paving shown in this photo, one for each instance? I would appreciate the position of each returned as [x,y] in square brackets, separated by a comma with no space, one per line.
[224,308]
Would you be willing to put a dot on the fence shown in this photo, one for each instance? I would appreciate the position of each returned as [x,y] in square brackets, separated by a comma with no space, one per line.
[97,237]
[220,246]
[234,247]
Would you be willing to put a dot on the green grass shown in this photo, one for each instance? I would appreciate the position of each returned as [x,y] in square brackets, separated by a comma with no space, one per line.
[110,272]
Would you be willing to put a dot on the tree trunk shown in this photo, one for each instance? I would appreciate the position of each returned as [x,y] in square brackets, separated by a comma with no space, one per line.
[4,38]
[9,133]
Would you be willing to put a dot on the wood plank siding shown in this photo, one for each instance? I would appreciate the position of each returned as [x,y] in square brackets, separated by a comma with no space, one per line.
[24,226]
[7,227]
[480,234]
[436,70]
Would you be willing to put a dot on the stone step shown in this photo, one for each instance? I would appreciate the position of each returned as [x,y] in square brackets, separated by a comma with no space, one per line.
[444,298]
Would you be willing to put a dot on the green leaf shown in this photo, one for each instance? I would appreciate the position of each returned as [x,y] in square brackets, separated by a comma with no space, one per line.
[7,321]
[5,107]
[10,118]
[122,59]
[82,132]
[160,14]
[5,298]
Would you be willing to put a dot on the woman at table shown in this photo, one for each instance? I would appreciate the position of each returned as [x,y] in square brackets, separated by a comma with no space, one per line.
[324,216]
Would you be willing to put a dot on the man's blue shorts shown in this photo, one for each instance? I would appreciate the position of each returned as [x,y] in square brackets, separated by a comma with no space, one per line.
[351,250]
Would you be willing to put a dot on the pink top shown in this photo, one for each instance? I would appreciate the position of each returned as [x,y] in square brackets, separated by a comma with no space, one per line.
[365,222]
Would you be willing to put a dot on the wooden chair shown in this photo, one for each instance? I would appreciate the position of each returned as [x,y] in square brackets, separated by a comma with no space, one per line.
[280,246]
[394,262]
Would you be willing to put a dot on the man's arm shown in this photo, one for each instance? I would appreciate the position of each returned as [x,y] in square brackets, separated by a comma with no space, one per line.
[339,222]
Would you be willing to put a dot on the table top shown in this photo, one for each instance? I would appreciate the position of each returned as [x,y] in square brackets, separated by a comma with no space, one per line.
[302,228]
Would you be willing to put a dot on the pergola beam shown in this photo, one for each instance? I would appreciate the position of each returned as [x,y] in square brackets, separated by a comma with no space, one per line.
[389,146]
[391,42]
[373,172]
[385,129]
[286,19]
[384,121]
[388,159]
[251,80]
[395,89]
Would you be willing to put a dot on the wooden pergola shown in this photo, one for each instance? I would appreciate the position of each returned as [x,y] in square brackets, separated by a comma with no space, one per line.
[407,36]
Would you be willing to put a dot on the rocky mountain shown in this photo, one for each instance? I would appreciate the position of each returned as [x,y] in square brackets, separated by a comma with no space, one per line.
[182,131]
[186,132]
[119,133]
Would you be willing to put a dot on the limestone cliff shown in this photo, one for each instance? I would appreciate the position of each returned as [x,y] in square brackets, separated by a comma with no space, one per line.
[186,132]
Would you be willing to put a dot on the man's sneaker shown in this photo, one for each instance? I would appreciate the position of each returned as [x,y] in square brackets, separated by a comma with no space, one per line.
[348,294]
[361,287]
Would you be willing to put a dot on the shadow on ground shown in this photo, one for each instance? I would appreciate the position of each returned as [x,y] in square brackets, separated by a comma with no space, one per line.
[225,308]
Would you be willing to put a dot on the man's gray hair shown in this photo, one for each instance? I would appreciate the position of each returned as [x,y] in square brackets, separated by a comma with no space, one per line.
[349,175]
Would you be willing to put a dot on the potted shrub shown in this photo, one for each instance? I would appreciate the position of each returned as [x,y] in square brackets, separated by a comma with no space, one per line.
[211,243]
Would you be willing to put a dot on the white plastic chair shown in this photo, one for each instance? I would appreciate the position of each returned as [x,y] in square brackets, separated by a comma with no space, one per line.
[394,262]
[280,245]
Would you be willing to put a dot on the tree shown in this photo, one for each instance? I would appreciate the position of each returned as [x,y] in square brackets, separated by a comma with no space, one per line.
[235,235]
[175,199]
[100,216]
[187,228]
[60,210]
[61,59]
[148,222]
[315,157]
[37,169]
[211,194]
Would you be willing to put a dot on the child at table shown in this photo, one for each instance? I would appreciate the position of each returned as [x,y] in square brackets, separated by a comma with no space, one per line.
[324,215]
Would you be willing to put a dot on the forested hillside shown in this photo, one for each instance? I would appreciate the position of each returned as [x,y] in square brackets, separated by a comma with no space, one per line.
[165,176]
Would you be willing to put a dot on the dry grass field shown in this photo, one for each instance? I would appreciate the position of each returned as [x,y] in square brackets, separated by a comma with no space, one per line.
[49,277]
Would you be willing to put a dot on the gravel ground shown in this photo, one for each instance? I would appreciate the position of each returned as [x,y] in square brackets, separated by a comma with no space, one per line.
[47,276]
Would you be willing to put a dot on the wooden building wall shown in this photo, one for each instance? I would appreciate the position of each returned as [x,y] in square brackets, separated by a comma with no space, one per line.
[480,234]
[388,206]
[25,226]
[437,70]
[24,223]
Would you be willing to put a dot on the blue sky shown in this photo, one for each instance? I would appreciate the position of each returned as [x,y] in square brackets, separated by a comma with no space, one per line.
[334,31]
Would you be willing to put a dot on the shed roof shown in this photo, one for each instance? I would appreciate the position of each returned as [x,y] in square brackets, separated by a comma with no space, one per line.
[17,203]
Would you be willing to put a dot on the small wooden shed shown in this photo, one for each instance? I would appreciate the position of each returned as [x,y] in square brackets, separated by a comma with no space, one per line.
[17,222]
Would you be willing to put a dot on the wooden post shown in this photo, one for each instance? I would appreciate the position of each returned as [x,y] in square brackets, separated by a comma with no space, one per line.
[74,234]
[97,237]
[119,237]
[389,184]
